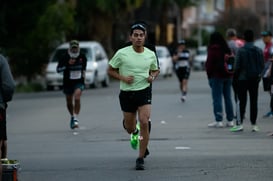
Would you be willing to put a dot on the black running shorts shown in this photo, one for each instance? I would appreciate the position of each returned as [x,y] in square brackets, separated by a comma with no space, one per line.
[183,73]
[70,89]
[131,100]
[3,125]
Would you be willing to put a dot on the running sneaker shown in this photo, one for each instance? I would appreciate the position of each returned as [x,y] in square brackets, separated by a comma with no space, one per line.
[139,164]
[135,138]
[267,115]
[216,124]
[183,98]
[255,128]
[74,123]
[237,128]
[230,124]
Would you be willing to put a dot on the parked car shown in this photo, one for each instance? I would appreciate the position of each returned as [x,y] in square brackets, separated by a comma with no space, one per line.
[96,69]
[165,61]
[200,58]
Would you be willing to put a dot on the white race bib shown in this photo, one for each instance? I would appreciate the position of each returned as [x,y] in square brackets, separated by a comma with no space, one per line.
[77,74]
[183,63]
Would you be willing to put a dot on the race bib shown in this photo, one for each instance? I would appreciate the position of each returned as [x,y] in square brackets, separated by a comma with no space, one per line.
[75,74]
[183,63]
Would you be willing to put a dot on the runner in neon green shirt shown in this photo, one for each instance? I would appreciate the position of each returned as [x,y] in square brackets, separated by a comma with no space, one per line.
[136,67]
[131,63]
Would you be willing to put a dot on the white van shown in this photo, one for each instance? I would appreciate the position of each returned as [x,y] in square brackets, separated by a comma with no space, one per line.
[96,69]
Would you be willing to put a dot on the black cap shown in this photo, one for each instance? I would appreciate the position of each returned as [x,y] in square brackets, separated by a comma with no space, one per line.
[74,44]
[266,33]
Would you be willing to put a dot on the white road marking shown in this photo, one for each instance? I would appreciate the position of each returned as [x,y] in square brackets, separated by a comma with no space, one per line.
[163,122]
[179,116]
[182,148]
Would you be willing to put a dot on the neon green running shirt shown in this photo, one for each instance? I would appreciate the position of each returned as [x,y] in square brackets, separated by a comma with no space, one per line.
[131,63]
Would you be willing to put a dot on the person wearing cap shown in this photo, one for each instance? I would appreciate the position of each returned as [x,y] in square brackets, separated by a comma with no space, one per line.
[73,66]
[267,76]
[181,59]
[136,67]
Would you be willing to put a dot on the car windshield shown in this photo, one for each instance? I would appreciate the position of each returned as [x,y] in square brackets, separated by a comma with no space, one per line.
[59,53]
[202,51]
[159,52]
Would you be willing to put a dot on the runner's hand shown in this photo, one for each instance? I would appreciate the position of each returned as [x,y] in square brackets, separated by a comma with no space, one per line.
[129,79]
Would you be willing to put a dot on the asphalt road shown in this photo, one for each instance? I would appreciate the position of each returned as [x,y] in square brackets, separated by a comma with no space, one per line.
[182,146]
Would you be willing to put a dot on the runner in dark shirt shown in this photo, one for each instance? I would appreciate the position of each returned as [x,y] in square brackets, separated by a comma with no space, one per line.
[73,66]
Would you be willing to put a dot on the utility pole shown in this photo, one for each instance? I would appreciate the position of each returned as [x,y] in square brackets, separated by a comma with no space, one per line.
[267,10]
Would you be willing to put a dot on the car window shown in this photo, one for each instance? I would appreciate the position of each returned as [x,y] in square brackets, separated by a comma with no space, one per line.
[59,53]
[88,53]
[202,51]
[99,54]
[159,52]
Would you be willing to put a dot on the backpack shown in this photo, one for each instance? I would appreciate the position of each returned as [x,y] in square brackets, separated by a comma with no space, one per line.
[229,63]
[255,63]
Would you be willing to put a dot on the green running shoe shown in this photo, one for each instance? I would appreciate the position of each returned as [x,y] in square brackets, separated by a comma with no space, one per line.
[135,138]
[236,128]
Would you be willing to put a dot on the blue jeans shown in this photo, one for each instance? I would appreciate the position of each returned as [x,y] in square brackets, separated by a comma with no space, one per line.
[221,88]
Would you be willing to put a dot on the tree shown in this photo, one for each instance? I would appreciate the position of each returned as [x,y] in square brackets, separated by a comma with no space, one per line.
[29,31]
[162,8]
[240,19]
[96,18]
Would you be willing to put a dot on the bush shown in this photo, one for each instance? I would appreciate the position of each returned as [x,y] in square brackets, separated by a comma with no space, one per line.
[30,87]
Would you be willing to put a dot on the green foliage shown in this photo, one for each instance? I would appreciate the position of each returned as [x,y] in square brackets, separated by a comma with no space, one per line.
[30,31]
[40,26]
[55,23]
[30,87]
[186,3]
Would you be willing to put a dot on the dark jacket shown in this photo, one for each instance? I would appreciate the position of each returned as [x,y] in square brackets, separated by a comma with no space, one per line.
[215,62]
[242,64]
[7,84]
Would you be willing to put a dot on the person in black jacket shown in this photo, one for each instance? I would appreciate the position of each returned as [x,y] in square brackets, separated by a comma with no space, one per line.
[249,65]
[73,66]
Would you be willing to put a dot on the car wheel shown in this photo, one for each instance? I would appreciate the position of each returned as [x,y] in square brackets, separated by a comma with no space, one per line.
[95,83]
[49,87]
[106,81]
[170,72]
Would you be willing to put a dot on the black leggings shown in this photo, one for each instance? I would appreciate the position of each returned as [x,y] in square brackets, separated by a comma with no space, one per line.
[250,86]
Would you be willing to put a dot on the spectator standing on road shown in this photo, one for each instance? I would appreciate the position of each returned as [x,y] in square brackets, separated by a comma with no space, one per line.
[181,59]
[219,81]
[136,67]
[268,56]
[233,41]
[73,66]
[249,64]
[234,44]
[7,87]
